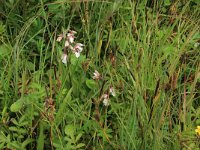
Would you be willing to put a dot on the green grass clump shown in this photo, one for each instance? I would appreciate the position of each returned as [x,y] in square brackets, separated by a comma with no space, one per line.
[146,96]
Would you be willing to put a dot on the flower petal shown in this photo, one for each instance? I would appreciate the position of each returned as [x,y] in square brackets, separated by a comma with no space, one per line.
[72,32]
[66,43]
[96,75]
[77,54]
[112,91]
[59,38]
[71,39]
[64,58]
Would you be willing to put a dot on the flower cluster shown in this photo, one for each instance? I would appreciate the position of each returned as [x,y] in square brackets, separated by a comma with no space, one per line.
[70,44]
[105,97]
[97,75]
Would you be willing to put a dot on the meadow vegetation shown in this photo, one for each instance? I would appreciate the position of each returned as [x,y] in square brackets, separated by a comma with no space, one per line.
[100,74]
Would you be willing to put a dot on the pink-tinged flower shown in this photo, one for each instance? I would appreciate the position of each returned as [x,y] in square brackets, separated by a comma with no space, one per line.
[78,48]
[59,38]
[97,75]
[64,58]
[112,91]
[106,101]
[70,36]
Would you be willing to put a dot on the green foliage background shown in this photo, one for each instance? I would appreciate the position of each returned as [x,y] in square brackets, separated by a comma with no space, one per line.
[149,51]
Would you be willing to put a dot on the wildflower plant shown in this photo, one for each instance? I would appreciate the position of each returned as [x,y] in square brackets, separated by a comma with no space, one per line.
[70,45]
[136,87]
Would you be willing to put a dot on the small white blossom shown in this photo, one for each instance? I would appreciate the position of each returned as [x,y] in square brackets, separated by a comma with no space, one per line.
[77,54]
[66,43]
[70,36]
[59,38]
[112,91]
[72,32]
[64,58]
[106,101]
[96,75]
[78,48]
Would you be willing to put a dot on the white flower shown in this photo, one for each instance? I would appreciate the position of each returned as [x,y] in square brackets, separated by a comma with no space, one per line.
[66,43]
[78,48]
[77,54]
[59,38]
[106,100]
[112,91]
[96,75]
[70,36]
[64,58]
[72,32]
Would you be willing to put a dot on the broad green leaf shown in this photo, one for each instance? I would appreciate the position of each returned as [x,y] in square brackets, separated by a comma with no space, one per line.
[12,128]
[5,50]
[91,84]
[17,106]
[167,2]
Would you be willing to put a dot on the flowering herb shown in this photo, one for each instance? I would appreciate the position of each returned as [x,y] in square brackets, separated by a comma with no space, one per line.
[64,58]
[106,100]
[76,48]
[112,91]
[97,75]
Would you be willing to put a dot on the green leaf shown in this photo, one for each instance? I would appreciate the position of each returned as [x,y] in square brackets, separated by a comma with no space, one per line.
[5,50]
[26,142]
[12,128]
[196,1]
[40,141]
[15,144]
[91,84]
[167,2]
[30,65]
[2,145]
[80,145]
[69,130]
[78,137]
[15,107]
[2,28]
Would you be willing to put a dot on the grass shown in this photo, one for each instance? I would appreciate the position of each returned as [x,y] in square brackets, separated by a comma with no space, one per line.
[148,51]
